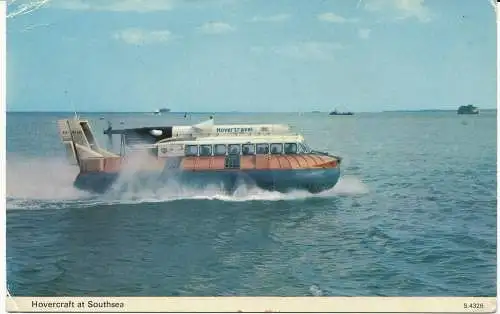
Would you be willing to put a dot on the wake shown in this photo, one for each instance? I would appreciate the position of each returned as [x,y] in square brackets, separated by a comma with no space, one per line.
[43,183]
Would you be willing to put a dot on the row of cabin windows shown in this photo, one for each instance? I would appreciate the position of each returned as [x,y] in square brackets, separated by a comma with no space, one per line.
[243,149]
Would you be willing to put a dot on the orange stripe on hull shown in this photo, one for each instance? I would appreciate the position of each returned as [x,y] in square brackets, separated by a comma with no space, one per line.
[218,163]
[302,161]
[294,163]
[258,162]
[261,162]
[330,164]
[274,163]
[202,163]
[188,163]
[308,161]
[316,159]
[247,162]
[285,162]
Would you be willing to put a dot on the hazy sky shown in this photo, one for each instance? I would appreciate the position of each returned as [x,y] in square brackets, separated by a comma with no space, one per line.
[250,55]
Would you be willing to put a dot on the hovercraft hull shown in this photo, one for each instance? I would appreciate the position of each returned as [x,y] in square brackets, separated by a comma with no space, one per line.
[285,180]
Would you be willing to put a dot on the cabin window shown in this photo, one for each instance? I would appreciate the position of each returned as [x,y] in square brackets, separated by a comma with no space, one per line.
[262,149]
[191,150]
[234,149]
[276,149]
[248,149]
[290,148]
[205,150]
[220,150]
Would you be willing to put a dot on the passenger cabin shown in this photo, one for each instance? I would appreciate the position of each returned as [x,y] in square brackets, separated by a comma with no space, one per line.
[235,146]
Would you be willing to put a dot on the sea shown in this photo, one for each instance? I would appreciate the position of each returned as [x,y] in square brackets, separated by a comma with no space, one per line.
[414,214]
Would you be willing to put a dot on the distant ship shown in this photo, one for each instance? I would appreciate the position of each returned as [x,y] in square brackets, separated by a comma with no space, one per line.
[469,109]
[338,113]
[158,112]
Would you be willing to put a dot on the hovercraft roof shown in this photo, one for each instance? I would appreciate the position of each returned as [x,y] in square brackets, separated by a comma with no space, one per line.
[151,135]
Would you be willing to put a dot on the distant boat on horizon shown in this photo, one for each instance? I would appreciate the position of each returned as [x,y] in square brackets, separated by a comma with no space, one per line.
[338,113]
[158,112]
[469,109]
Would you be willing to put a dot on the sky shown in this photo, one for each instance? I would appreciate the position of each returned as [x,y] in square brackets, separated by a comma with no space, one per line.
[250,55]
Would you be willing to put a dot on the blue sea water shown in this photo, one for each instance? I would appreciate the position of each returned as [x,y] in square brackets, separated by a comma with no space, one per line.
[414,214]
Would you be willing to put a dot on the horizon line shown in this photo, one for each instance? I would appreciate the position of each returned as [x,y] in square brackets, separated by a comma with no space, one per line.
[233,111]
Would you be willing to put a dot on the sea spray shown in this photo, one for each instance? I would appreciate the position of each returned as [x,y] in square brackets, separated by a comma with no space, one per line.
[48,183]
[41,179]
[349,185]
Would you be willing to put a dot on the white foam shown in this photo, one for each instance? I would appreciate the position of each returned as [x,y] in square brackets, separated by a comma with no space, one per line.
[48,183]
[41,179]
[350,185]
[315,291]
